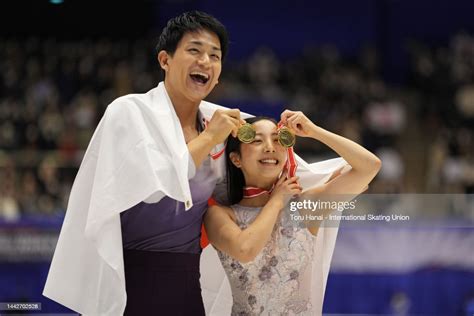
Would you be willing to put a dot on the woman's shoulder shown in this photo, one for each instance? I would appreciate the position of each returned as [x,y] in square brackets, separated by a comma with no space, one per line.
[224,209]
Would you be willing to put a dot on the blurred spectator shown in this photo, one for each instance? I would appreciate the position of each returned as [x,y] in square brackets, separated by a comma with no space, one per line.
[9,208]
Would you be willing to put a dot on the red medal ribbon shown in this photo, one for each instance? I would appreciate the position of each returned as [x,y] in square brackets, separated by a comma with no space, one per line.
[250,192]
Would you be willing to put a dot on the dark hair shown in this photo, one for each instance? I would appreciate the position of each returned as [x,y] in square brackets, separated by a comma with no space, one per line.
[235,177]
[192,21]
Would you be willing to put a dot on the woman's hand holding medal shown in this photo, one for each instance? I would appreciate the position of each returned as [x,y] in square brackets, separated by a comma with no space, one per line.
[297,122]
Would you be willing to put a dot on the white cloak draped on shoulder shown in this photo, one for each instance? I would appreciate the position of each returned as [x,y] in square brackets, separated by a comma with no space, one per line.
[138,153]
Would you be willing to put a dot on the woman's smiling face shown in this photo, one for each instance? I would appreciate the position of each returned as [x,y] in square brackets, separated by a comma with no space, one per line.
[263,159]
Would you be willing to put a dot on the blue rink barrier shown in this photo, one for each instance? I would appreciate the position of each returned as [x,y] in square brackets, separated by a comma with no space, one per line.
[26,250]
[428,291]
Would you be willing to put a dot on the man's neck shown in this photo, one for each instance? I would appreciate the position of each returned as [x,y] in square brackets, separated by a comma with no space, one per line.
[185,109]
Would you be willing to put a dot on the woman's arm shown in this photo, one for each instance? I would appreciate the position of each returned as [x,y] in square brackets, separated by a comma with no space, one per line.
[364,164]
[245,244]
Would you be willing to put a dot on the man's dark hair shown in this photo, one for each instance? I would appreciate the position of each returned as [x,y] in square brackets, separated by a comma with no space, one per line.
[192,21]
[235,177]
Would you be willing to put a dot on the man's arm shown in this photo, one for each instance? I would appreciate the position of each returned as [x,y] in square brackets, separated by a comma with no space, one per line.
[222,124]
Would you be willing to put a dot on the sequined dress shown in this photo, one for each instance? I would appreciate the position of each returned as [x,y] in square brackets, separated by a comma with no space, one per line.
[278,280]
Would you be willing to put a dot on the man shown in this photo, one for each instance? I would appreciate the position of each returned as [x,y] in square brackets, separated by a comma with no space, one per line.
[152,164]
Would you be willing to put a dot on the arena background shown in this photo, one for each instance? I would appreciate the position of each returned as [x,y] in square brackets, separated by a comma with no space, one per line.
[394,75]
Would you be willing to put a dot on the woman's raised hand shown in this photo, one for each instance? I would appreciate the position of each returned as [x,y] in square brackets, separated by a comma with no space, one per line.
[298,122]
[285,189]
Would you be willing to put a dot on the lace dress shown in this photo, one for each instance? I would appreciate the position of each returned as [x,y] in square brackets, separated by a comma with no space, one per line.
[278,280]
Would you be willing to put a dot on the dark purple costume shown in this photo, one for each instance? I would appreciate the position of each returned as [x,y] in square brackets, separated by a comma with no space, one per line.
[162,250]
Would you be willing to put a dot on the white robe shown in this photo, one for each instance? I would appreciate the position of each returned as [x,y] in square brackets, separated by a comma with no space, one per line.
[138,153]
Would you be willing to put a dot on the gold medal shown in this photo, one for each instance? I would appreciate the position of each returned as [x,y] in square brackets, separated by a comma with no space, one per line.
[285,137]
[246,133]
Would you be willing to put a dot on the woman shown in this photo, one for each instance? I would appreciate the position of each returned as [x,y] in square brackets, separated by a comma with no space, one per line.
[267,259]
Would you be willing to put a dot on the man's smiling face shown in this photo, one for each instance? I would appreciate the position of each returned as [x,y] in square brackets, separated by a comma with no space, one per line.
[194,68]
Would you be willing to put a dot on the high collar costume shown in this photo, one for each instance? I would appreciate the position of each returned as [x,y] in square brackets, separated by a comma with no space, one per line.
[138,153]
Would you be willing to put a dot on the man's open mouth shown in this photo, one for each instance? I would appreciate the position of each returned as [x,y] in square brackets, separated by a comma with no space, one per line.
[199,77]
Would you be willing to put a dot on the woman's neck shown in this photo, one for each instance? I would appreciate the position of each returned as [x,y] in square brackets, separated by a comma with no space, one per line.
[260,182]
[258,201]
